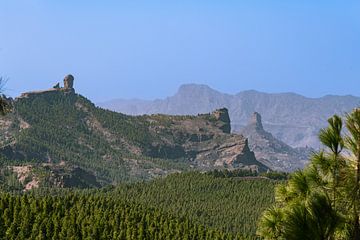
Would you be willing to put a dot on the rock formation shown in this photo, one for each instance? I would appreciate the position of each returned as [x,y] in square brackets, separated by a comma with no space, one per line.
[256,121]
[270,151]
[34,93]
[222,115]
[69,82]
[68,86]
[205,140]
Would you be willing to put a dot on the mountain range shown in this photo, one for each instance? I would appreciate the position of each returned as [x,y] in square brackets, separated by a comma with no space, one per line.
[291,118]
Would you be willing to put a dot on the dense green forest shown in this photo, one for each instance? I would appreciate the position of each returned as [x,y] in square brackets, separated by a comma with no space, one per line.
[91,216]
[230,204]
[60,129]
[180,206]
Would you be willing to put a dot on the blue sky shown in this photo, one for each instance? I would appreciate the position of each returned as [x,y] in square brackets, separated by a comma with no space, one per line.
[146,49]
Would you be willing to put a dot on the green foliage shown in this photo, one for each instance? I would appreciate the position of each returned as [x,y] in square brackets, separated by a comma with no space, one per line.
[230,204]
[9,181]
[180,206]
[5,105]
[91,216]
[56,134]
[57,86]
[275,175]
[67,127]
[232,173]
[322,201]
[248,173]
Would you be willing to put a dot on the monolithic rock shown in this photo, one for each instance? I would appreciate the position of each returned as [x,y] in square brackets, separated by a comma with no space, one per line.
[222,115]
[69,82]
[270,151]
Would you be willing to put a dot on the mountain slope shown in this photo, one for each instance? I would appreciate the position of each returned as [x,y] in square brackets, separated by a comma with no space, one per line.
[292,118]
[272,152]
[57,131]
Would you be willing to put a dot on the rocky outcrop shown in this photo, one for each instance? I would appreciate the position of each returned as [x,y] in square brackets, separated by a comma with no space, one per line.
[232,153]
[222,115]
[68,87]
[270,151]
[69,82]
[204,140]
[53,175]
[74,177]
[256,122]
[34,93]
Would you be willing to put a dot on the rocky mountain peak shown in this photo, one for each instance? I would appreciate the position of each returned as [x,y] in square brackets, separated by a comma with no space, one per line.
[222,115]
[270,151]
[255,120]
[69,82]
[192,87]
[196,90]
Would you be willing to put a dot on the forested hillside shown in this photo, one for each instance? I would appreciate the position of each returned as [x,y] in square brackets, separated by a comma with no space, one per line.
[57,137]
[180,206]
[81,216]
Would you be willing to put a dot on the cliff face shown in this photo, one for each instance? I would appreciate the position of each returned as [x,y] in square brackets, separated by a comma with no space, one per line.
[222,115]
[204,140]
[272,152]
[52,127]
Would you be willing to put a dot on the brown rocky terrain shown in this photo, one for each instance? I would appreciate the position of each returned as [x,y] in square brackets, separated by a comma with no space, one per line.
[205,140]
[272,152]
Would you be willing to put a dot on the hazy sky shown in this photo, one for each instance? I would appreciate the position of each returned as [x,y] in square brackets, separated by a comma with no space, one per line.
[146,49]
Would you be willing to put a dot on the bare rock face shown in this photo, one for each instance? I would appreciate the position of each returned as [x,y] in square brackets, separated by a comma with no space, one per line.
[36,93]
[255,121]
[222,115]
[272,152]
[69,82]
[230,152]
[205,141]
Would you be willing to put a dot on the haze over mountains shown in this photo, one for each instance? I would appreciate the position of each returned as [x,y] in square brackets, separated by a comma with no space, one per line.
[292,118]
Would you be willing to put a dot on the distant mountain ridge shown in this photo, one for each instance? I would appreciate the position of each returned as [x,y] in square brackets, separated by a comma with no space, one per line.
[290,117]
